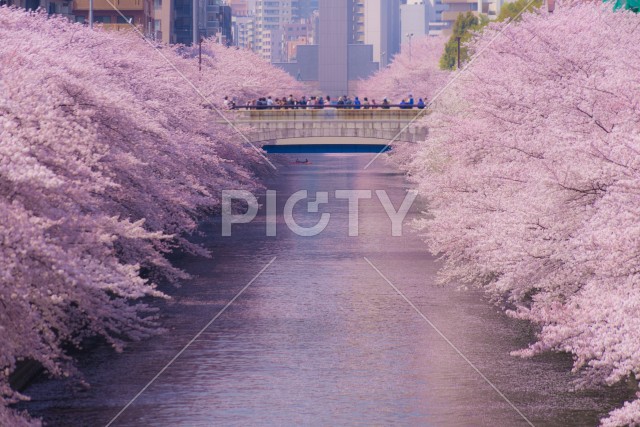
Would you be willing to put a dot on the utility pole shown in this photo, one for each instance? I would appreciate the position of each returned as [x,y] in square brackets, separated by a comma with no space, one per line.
[458,39]
[410,36]
[200,54]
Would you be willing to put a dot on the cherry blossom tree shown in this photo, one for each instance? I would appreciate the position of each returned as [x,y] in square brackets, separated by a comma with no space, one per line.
[110,153]
[235,72]
[415,74]
[533,179]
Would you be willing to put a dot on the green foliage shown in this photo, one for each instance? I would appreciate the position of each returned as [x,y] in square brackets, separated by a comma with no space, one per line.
[464,26]
[632,5]
[468,23]
[511,10]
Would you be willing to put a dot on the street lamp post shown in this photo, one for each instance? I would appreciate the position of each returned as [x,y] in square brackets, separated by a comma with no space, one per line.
[410,36]
[91,14]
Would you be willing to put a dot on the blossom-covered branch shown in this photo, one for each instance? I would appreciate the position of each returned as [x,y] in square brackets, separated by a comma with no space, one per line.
[108,158]
[533,180]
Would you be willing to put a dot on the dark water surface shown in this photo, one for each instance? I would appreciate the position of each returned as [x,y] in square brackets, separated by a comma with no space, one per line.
[320,338]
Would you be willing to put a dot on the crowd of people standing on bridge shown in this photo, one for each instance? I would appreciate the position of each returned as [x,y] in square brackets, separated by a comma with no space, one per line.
[318,102]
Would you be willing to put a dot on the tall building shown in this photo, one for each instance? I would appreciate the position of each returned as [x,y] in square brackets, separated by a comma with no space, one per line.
[243,31]
[357,22]
[270,15]
[180,26]
[170,21]
[382,28]
[243,23]
[173,21]
[214,21]
[339,57]
[303,9]
[286,39]
[240,7]
[136,12]
[435,17]
[333,49]
[59,7]
[416,17]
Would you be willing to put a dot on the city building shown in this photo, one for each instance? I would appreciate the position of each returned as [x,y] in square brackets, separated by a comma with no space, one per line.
[338,58]
[129,12]
[135,12]
[423,17]
[303,9]
[277,26]
[215,21]
[243,31]
[60,7]
[356,20]
[292,48]
[242,7]
[243,23]
[382,28]
[173,21]
[448,15]
[416,16]
[489,8]
[170,21]
[435,17]
[270,15]
[286,40]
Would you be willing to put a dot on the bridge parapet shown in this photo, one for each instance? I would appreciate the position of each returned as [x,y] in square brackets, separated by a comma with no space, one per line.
[271,125]
[329,113]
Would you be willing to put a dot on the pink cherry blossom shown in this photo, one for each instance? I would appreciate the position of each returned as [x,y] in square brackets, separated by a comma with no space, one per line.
[108,159]
[532,175]
[417,74]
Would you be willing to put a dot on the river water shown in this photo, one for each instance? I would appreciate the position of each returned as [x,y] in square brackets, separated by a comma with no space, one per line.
[320,338]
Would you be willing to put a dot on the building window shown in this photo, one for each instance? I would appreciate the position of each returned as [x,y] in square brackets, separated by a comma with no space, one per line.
[128,20]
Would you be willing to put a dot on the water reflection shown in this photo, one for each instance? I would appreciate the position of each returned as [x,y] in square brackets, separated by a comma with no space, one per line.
[320,338]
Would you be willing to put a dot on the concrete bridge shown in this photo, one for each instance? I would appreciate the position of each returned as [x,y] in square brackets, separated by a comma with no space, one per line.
[328,129]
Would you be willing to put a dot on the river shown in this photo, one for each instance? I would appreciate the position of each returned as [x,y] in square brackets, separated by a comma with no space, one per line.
[320,337]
